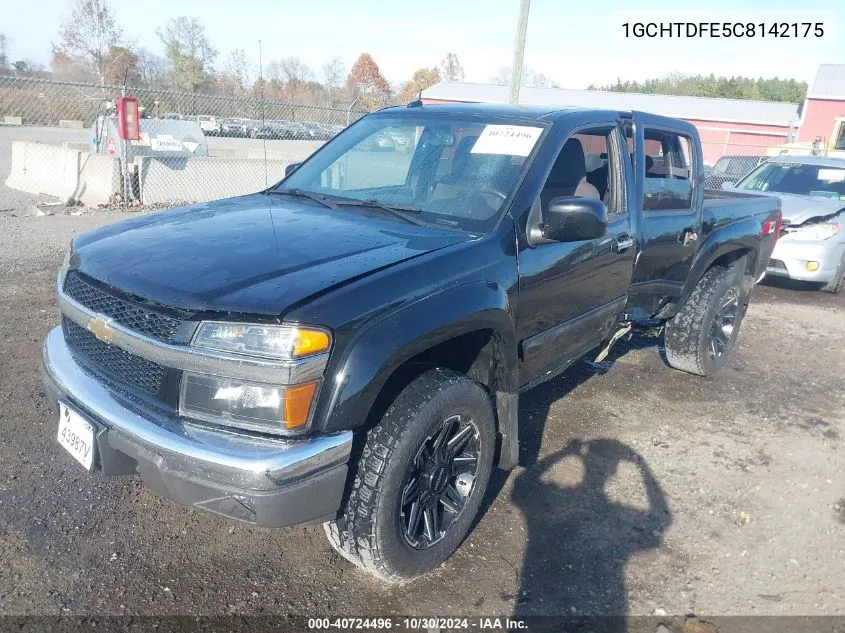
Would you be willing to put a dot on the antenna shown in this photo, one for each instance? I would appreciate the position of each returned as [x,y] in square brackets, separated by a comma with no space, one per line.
[263,120]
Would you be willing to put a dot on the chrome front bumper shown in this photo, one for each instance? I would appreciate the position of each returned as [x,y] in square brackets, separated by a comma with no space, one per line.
[257,479]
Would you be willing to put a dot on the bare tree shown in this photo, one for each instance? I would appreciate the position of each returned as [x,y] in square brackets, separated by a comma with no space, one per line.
[530,78]
[334,74]
[295,74]
[88,33]
[234,79]
[451,69]
[189,52]
[152,70]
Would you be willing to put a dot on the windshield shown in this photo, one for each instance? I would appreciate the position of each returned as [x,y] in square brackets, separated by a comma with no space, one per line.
[797,178]
[455,172]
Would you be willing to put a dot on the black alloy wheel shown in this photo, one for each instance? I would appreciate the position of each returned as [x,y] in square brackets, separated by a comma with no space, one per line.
[439,481]
[724,321]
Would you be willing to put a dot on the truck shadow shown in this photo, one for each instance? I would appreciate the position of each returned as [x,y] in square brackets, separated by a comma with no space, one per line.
[579,538]
[579,533]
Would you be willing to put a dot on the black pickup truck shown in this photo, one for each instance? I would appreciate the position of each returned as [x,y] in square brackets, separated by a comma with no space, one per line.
[348,347]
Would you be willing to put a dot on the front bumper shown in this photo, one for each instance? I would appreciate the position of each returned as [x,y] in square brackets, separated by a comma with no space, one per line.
[265,481]
[790,257]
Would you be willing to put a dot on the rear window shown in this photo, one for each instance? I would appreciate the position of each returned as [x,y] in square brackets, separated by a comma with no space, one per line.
[668,163]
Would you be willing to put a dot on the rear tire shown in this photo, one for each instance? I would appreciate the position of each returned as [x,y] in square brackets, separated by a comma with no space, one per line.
[405,461]
[702,334]
[835,284]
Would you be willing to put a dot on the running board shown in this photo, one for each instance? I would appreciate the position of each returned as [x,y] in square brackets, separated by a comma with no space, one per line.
[624,328]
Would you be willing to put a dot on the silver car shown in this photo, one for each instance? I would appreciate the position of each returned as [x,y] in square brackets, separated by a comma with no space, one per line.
[812,194]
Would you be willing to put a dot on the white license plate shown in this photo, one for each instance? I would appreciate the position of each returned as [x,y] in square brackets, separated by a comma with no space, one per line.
[76,435]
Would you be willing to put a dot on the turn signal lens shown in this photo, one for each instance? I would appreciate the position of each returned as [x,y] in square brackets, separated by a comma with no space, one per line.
[298,401]
[309,342]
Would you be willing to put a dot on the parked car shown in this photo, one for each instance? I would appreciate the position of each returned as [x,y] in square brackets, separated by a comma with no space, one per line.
[812,193]
[234,127]
[323,131]
[349,346]
[281,130]
[209,125]
[730,168]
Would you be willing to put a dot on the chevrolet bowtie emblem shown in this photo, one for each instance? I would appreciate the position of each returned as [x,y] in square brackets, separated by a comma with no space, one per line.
[100,328]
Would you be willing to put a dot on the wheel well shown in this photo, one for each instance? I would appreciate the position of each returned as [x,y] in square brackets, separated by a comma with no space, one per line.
[478,355]
[729,259]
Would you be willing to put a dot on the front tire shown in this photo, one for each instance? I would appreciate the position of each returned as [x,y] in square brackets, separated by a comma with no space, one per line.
[421,478]
[702,334]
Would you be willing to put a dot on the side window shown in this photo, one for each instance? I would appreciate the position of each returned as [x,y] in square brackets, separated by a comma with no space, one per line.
[668,167]
[840,142]
[587,166]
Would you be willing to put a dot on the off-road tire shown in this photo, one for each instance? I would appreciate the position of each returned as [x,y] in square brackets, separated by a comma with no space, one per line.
[369,532]
[687,339]
[835,284]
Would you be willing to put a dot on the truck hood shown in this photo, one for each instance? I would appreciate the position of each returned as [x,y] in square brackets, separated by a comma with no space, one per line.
[255,254]
[798,209]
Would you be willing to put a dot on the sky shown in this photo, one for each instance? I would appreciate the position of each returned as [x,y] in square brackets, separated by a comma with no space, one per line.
[573,43]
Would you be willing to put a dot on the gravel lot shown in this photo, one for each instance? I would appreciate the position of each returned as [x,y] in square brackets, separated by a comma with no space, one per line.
[642,489]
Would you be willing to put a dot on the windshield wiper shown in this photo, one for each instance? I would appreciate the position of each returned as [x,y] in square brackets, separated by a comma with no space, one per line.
[299,193]
[396,210]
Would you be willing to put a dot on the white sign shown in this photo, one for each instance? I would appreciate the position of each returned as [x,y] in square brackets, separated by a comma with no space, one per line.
[165,144]
[512,140]
[832,175]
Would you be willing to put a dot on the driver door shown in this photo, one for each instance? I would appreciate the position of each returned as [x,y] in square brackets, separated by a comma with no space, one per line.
[572,293]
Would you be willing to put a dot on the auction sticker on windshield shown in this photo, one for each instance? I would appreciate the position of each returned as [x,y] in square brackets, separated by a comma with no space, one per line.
[76,435]
[832,175]
[512,140]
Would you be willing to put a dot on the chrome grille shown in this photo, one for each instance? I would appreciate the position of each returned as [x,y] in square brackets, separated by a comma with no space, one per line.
[130,314]
[114,362]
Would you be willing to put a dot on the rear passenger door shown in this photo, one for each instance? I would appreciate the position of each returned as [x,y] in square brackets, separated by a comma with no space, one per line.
[669,194]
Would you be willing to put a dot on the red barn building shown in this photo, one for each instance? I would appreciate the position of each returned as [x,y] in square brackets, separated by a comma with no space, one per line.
[726,126]
[825,101]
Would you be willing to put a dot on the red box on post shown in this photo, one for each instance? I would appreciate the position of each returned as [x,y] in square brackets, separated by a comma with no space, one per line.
[128,124]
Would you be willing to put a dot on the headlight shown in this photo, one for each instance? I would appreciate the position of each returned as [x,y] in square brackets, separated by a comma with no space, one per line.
[820,231]
[250,406]
[283,342]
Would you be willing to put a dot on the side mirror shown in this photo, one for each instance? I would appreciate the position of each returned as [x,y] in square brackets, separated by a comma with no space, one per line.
[289,169]
[728,184]
[572,219]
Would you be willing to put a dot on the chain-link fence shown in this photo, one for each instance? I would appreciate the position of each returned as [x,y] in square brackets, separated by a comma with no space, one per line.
[60,140]
[729,168]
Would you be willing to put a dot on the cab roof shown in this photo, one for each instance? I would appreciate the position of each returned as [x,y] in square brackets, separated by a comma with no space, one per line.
[525,112]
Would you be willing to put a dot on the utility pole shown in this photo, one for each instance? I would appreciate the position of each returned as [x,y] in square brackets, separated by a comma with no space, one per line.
[518,52]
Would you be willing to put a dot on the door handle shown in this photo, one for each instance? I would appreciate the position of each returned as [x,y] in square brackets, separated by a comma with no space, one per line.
[688,236]
[623,243]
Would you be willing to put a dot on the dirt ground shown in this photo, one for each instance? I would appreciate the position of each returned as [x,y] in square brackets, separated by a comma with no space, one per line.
[642,490]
